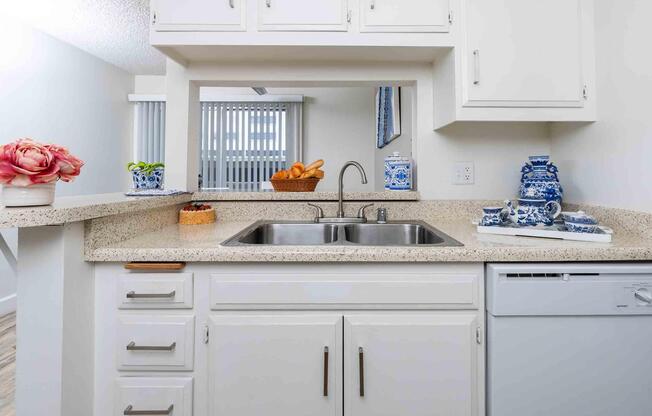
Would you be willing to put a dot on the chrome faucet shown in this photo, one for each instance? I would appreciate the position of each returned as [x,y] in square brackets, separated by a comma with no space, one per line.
[340,218]
[363,177]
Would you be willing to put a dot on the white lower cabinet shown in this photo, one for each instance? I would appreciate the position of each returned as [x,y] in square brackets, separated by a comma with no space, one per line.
[153,396]
[417,364]
[292,340]
[275,365]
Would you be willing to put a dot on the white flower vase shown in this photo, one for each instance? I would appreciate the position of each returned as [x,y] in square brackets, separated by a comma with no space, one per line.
[28,196]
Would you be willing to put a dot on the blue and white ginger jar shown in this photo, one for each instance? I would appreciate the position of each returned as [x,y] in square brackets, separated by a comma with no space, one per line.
[398,173]
[539,180]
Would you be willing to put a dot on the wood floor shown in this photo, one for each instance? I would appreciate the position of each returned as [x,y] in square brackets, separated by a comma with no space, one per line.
[7,364]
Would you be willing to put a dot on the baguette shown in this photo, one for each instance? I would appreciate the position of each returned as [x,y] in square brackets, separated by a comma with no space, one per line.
[319,174]
[308,174]
[315,165]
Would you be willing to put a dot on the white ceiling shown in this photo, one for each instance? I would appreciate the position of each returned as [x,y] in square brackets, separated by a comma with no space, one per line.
[116,31]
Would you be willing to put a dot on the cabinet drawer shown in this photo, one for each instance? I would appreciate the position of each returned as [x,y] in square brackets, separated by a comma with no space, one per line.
[411,291]
[160,396]
[155,342]
[155,291]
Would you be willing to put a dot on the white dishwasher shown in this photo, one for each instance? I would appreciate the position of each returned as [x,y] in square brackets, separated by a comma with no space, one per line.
[569,339]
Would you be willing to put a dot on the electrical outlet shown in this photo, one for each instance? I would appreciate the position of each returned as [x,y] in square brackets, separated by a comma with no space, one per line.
[463,173]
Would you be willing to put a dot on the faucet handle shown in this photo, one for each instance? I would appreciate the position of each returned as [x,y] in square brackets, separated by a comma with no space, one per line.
[361,210]
[319,213]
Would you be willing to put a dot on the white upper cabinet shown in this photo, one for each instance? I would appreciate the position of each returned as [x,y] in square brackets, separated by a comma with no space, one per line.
[275,365]
[198,15]
[417,365]
[524,53]
[303,15]
[404,15]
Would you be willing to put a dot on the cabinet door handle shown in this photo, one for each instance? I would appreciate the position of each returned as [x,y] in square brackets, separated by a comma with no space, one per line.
[129,410]
[476,67]
[361,369]
[133,347]
[232,4]
[325,371]
[372,4]
[268,3]
[134,295]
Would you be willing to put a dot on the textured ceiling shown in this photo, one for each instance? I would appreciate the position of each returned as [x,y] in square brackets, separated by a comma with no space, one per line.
[116,31]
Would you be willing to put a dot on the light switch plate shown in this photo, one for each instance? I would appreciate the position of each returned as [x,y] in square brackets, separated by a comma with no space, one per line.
[463,173]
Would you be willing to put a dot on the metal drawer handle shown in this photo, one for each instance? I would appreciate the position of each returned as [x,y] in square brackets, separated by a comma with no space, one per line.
[134,295]
[325,371]
[361,368]
[476,67]
[231,4]
[129,411]
[133,347]
[268,3]
[372,4]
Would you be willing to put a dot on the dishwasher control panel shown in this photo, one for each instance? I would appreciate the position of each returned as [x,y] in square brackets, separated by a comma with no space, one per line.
[636,295]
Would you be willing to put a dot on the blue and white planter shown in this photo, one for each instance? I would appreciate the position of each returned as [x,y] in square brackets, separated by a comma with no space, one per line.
[398,173]
[539,180]
[148,181]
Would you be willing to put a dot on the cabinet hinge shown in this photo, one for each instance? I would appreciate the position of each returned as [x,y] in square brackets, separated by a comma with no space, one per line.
[450,17]
[585,92]
[348,16]
[478,335]
[154,19]
[206,334]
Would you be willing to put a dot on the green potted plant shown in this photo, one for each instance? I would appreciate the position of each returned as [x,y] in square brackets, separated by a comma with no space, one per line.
[146,175]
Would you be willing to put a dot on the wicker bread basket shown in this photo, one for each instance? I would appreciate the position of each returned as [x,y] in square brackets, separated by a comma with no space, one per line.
[295,185]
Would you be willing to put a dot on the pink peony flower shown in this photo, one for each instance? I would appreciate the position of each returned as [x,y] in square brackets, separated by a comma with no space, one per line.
[69,165]
[26,162]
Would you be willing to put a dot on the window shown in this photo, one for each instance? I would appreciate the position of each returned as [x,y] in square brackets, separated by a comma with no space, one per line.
[149,131]
[244,143]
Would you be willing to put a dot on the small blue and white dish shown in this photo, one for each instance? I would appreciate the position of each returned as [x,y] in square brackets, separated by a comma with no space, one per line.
[581,227]
[493,216]
[579,217]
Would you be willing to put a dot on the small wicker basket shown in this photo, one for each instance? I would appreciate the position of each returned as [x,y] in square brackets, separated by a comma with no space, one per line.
[197,217]
[295,185]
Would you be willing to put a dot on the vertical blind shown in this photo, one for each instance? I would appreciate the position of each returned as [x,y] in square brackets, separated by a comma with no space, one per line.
[150,131]
[244,143]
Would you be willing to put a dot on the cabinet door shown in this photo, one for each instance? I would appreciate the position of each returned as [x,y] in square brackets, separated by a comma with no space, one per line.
[275,365]
[404,15]
[198,15]
[524,53]
[304,15]
[417,365]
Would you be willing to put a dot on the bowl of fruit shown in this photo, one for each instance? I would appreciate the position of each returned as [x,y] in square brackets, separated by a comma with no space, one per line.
[299,177]
[195,214]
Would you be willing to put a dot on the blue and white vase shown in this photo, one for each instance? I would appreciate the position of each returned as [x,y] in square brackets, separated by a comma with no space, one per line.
[398,173]
[539,180]
[143,180]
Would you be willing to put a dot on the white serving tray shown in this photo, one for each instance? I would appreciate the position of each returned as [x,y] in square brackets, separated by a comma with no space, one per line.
[557,231]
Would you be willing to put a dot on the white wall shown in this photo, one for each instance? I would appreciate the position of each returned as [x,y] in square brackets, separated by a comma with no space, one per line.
[53,92]
[609,162]
[498,149]
[149,84]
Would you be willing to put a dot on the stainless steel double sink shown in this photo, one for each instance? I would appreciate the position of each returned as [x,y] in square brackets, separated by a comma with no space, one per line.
[404,233]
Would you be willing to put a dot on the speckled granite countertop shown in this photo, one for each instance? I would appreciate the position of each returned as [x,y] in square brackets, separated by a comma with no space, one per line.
[202,244]
[81,208]
[305,196]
